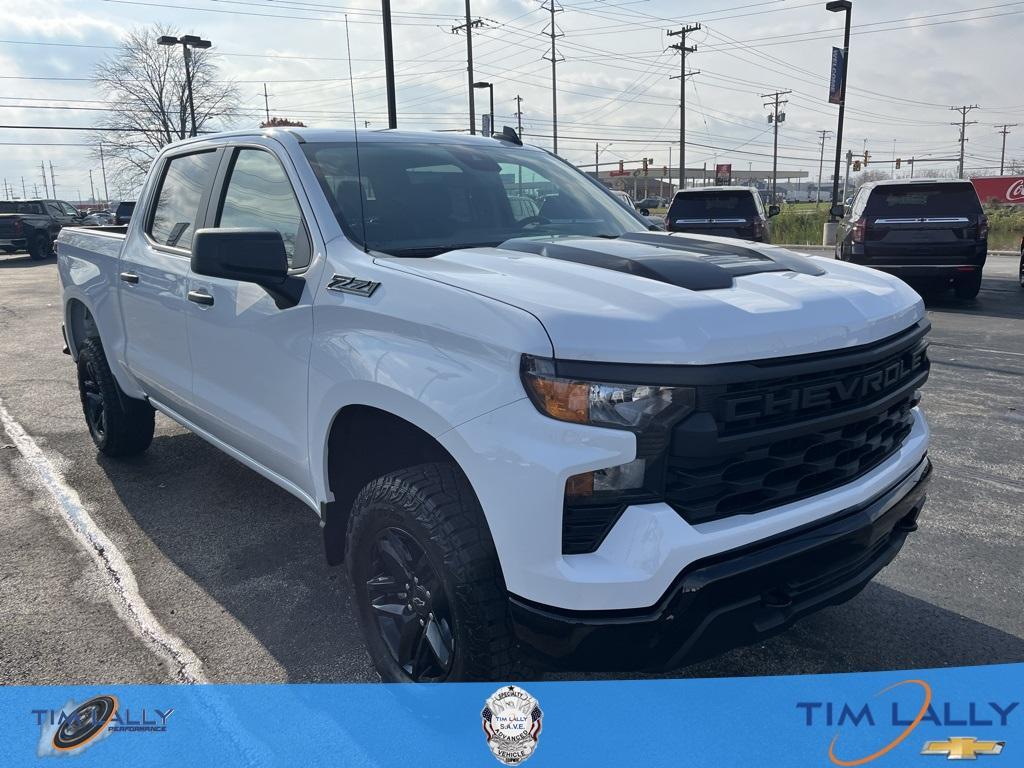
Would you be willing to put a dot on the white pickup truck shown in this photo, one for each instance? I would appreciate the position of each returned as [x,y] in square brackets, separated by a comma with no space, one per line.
[529,426]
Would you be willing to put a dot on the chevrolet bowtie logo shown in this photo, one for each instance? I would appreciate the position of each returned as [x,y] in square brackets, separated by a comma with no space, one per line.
[962,748]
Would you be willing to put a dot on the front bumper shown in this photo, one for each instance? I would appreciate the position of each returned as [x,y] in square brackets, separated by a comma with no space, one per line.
[737,597]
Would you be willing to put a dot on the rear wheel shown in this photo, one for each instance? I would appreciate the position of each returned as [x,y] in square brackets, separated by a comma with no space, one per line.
[119,425]
[967,285]
[429,593]
[39,247]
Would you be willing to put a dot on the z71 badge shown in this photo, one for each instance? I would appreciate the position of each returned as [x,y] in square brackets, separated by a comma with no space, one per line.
[512,721]
[343,284]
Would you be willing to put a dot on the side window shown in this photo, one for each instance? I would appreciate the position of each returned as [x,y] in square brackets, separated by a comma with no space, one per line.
[859,204]
[54,210]
[186,179]
[259,195]
[69,210]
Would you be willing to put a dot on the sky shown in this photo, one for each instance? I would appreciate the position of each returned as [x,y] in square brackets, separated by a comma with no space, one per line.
[910,62]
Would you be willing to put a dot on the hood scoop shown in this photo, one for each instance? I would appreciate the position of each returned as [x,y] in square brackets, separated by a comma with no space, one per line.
[693,264]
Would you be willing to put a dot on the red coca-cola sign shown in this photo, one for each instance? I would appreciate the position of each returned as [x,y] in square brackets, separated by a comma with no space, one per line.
[1000,189]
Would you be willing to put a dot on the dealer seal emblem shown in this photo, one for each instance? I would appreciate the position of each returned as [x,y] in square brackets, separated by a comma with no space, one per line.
[512,722]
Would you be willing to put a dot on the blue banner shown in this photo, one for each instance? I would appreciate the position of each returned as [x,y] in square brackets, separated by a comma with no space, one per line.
[919,717]
[836,84]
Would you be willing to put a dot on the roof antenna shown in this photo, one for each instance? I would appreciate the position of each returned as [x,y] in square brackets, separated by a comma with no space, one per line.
[355,130]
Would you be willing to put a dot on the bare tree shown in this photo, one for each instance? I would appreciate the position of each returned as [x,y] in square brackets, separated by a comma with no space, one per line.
[282,122]
[147,101]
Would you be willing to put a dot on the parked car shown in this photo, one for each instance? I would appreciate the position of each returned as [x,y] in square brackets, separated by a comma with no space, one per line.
[99,219]
[722,211]
[652,202]
[931,229]
[123,212]
[32,225]
[1022,262]
[624,198]
[566,436]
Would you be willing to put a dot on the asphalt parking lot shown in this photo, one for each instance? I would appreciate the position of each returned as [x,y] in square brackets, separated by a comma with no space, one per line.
[233,567]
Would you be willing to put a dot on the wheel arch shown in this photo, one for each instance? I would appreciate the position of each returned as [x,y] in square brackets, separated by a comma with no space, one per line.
[80,325]
[364,443]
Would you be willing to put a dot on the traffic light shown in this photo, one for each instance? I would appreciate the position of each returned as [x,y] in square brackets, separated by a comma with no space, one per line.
[867,156]
[898,161]
[645,166]
[856,165]
[622,170]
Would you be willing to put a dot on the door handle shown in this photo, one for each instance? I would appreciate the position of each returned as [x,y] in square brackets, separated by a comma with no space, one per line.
[129,277]
[201,297]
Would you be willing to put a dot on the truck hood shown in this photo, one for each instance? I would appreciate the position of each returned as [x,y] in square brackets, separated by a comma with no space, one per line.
[679,299]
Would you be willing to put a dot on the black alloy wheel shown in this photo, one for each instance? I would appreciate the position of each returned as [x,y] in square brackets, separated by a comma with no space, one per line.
[410,607]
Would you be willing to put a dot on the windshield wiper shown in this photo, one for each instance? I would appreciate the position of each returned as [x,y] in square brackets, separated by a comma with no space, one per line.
[435,250]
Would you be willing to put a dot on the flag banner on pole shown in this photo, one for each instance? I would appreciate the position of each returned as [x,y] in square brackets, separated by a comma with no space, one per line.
[835,84]
[896,718]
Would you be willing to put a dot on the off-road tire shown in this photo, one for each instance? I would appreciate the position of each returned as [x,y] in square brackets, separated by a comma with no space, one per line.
[123,426]
[39,247]
[434,504]
[968,285]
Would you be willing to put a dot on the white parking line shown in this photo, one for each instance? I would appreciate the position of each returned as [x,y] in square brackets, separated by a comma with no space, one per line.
[183,664]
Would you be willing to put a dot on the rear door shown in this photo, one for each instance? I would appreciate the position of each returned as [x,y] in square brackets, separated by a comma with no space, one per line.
[922,223]
[250,359]
[154,278]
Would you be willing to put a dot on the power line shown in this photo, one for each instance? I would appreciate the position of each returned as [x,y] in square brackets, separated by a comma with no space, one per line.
[963,129]
[683,49]
[1005,130]
[775,117]
[552,7]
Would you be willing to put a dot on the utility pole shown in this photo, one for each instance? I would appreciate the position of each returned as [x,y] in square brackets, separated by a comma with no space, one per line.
[468,29]
[821,164]
[776,117]
[103,168]
[846,181]
[963,130]
[53,182]
[24,192]
[683,49]
[553,7]
[389,63]
[519,115]
[266,101]
[92,189]
[42,170]
[1002,156]
[7,192]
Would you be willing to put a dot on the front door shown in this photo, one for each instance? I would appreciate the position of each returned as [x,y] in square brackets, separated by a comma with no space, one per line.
[250,359]
[153,280]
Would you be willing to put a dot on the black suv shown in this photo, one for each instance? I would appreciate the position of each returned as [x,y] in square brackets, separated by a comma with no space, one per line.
[723,211]
[925,229]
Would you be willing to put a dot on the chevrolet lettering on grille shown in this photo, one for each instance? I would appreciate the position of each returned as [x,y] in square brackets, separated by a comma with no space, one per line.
[860,385]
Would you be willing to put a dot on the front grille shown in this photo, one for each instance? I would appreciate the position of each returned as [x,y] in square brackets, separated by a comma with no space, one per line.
[778,472]
[762,433]
[799,428]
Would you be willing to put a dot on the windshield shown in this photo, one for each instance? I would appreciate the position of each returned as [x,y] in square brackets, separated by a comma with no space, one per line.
[714,205]
[425,199]
[928,200]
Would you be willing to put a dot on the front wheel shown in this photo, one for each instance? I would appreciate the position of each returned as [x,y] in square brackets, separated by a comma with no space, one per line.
[119,425]
[967,285]
[429,593]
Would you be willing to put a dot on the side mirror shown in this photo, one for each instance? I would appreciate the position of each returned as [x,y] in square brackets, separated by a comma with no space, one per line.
[248,256]
[773,210]
[645,212]
[837,211]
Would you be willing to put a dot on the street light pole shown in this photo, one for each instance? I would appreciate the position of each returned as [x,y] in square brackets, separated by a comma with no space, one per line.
[489,87]
[389,65]
[187,43]
[835,6]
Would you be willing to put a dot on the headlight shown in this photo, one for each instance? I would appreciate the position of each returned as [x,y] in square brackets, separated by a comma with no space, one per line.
[623,406]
